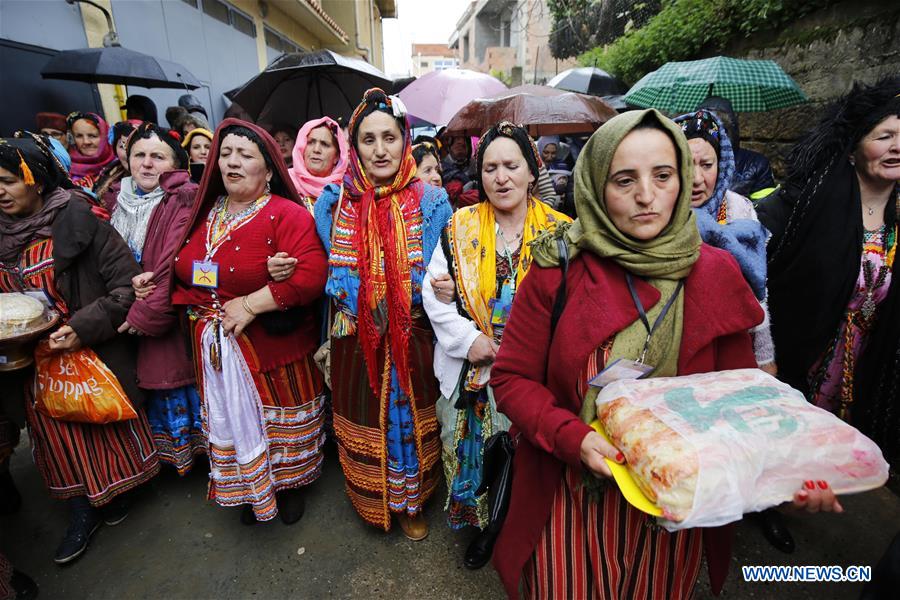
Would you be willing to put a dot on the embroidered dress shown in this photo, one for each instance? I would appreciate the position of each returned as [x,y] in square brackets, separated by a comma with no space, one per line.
[264,427]
[173,414]
[177,426]
[604,548]
[831,378]
[464,439]
[79,459]
[388,445]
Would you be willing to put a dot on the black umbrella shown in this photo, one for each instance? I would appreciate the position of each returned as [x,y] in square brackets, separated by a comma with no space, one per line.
[588,80]
[299,87]
[115,64]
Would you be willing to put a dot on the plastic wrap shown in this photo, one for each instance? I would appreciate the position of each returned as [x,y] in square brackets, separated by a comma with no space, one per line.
[709,448]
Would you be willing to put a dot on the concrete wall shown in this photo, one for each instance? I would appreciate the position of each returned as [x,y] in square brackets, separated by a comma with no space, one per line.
[360,19]
[855,40]
[220,56]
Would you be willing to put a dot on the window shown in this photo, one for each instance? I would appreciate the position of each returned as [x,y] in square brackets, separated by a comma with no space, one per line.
[424,64]
[446,63]
[465,43]
[217,10]
[243,24]
[191,2]
[280,43]
[229,15]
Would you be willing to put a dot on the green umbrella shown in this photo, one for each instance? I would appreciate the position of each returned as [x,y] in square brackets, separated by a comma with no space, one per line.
[750,85]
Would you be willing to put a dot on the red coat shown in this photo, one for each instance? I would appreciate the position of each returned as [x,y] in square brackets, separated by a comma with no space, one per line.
[281,226]
[163,358]
[534,378]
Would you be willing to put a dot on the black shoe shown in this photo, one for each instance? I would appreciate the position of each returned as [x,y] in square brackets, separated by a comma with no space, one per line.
[248,517]
[23,585]
[479,551]
[84,523]
[10,498]
[775,530]
[115,512]
[291,505]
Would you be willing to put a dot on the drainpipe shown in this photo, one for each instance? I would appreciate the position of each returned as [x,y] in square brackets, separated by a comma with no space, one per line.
[372,28]
[356,22]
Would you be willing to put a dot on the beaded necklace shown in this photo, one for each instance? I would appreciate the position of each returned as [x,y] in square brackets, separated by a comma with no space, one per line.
[220,224]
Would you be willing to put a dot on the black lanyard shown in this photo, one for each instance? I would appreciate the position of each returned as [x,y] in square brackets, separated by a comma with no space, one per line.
[643,315]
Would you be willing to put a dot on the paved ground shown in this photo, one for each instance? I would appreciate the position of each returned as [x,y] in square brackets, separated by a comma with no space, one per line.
[176,545]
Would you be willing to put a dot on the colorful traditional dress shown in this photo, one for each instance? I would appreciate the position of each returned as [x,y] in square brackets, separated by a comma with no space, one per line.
[486,277]
[261,393]
[831,378]
[385,426]
[604,548]
[78,459]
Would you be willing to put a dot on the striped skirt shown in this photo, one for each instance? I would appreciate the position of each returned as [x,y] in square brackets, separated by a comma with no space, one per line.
[97,461]
[609,550]
[287,405]
[366,432]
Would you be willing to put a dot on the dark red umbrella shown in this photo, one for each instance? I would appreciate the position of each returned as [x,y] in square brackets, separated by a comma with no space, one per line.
[543,110]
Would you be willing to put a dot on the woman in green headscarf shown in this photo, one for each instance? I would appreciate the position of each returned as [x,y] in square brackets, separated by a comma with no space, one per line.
[635,244]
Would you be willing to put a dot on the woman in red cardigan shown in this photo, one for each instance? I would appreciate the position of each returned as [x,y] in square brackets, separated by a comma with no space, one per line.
[253,337]
[567,533]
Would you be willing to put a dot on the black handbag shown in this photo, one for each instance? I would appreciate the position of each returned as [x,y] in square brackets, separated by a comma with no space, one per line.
[500,448]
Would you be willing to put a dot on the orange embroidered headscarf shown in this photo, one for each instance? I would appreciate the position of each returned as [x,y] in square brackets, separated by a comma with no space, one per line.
[385,286]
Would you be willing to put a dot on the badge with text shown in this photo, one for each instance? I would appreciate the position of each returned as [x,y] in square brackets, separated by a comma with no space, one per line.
[205,274]
[620,369]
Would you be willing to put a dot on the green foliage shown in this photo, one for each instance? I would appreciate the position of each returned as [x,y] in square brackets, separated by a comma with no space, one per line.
[684,27]
[502,76]
[579,25]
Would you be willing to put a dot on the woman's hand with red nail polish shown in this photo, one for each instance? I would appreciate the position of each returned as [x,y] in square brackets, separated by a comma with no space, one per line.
[818,497]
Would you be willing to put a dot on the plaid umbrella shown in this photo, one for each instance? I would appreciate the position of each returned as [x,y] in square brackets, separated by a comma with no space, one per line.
[750,85]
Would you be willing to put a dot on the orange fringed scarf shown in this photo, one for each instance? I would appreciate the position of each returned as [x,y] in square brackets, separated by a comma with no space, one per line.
[385,287]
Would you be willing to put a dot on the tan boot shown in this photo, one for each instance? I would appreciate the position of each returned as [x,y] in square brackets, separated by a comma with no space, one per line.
[414,528]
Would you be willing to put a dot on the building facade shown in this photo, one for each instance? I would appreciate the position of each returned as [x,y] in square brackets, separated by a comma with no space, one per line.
[432,57]
[508,38]
[223,43]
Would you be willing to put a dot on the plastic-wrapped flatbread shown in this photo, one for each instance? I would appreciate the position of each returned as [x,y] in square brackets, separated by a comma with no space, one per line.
[19,313]
[708,448]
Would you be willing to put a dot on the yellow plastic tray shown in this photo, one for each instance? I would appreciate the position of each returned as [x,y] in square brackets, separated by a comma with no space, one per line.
[625,481]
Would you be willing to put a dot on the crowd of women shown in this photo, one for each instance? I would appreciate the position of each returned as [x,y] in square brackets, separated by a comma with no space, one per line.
[228,305]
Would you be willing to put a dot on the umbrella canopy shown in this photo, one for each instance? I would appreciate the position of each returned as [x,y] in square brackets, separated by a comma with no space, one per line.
[299,87]
[435,97]
[750,85]
[544,110]
[588,80]
[115,64]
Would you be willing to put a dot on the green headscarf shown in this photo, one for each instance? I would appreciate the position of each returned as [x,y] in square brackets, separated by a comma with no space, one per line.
[671,254]
[661,261]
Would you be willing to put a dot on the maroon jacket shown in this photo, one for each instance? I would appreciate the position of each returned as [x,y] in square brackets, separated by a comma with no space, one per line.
[163,359]
[534,378]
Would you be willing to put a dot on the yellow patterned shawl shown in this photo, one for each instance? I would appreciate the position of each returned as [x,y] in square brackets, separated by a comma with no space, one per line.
[472,239]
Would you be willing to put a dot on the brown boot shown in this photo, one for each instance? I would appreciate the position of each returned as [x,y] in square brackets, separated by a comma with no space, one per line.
[414,528]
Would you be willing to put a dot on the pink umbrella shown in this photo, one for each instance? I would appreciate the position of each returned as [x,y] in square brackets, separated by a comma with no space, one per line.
[435,97]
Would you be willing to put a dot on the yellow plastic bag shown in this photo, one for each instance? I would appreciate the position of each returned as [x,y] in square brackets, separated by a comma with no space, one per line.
[77,386]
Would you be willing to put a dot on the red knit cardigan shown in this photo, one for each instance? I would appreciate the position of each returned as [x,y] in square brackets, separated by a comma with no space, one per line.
[534,378]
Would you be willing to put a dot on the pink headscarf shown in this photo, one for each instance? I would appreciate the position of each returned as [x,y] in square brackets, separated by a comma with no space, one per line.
[307,183]
[89,166]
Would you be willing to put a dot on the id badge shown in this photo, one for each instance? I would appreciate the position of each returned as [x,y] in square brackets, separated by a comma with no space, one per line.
[205,274]
[622,368]
[499,311]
